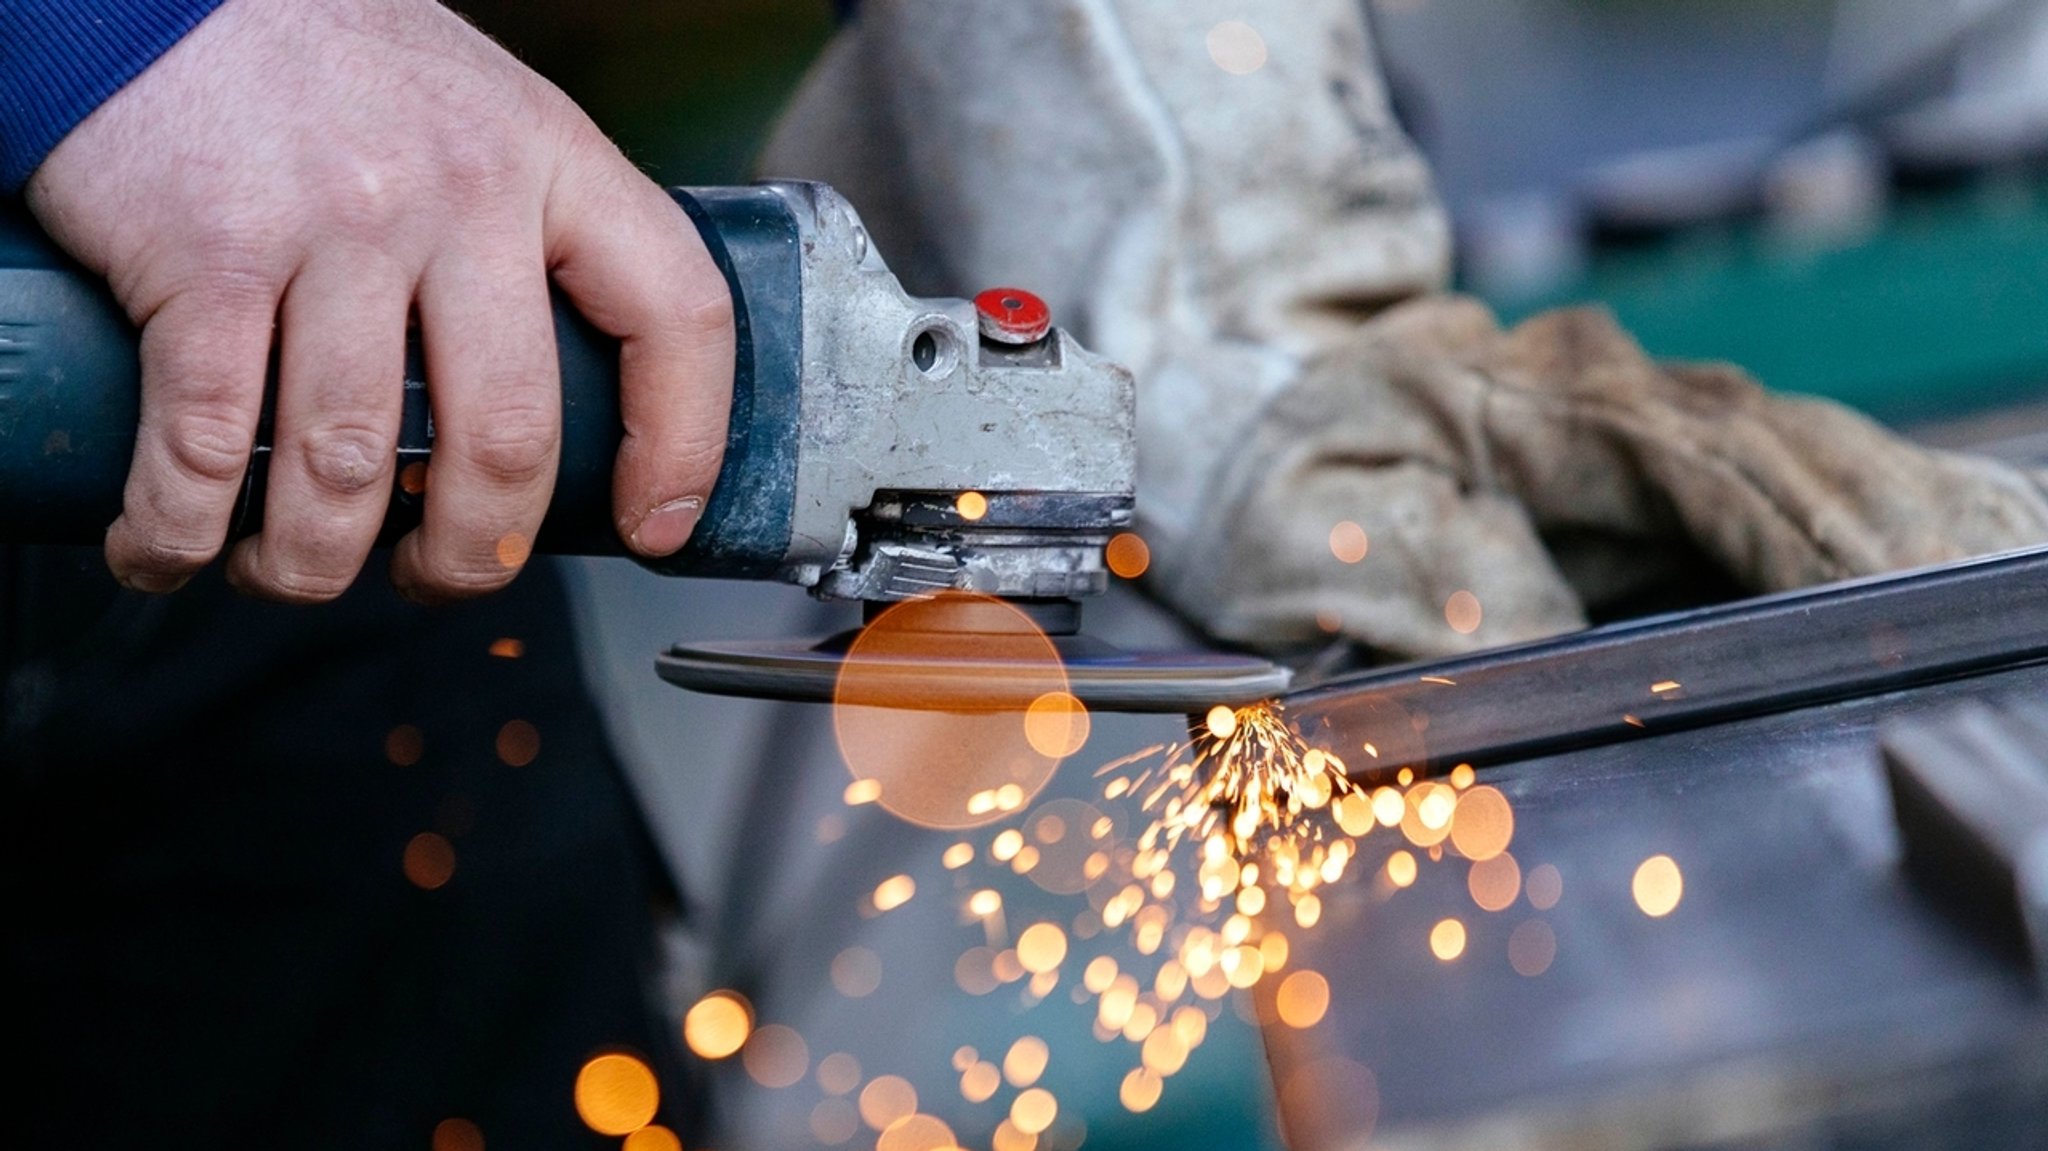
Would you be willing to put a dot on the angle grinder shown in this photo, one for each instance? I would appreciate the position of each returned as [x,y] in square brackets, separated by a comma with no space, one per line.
[962,455]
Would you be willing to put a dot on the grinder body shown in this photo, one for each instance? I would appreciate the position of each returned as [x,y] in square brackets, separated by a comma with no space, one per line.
[859,415]
[860,418]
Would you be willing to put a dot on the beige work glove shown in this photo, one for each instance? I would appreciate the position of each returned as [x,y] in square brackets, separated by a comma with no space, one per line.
[1216,194]
[1553,467]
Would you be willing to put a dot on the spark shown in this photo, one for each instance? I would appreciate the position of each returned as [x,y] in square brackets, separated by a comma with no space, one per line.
[1245,787]
[1217,849]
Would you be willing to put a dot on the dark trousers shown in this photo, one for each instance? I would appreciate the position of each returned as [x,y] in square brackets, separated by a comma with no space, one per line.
[282,877]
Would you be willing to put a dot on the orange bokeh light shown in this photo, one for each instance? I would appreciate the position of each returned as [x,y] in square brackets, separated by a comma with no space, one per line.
[457,1135]
[1531,948]
[429,860]
[1303,999]
[776,1056]
[886,1099]
[1494,882]
[514,550]
[985,662]
[718,1024]
[1127,555]
[856,972]
[404,745]
[1348,542]
[518,743]
[1056,725]
[1482,824]
[1447,939]
[1034,1110]
[1463,613]
[616,1094]
[916,1133]
[653,1137]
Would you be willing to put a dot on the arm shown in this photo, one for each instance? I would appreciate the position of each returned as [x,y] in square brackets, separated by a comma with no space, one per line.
[63,58]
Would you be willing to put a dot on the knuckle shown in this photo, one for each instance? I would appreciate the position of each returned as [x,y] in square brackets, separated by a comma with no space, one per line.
[481,166]
[514,445]
[207,445]
[345,460]
[206,359]
[232,261]
[293,585]
[465,581]
[367,199]
[695,461]
[221,261]
[706,315]
[157,552]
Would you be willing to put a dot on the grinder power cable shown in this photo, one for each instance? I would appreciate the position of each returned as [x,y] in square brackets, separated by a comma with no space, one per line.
[964,455]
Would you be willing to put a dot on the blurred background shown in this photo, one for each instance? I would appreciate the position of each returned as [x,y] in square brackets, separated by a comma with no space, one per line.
[1849,198]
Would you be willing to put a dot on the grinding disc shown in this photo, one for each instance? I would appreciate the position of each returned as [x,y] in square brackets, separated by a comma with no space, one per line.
[1099,674]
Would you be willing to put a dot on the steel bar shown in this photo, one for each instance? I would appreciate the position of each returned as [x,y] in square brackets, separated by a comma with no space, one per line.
[1665,673]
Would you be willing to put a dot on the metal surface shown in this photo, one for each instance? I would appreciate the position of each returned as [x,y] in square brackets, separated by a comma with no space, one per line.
[903,399]
[1040,545]
[1805,991]
[1771,654]
[1969,792]
[1100,675]
[1013,316]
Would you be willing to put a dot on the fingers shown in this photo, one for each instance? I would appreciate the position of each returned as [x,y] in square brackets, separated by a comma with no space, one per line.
[205,353]
[340,377]
[635,267]
[494,384]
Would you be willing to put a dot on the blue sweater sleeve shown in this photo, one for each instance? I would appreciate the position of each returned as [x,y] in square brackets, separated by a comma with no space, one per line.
[60,59]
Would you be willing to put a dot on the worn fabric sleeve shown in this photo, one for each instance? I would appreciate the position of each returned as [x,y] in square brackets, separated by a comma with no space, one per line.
[60,59]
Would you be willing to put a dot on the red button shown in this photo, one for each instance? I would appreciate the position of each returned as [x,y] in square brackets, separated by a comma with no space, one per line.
[1013,316]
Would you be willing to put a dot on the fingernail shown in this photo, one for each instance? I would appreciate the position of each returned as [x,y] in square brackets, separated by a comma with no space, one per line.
[153,583]
[667,527]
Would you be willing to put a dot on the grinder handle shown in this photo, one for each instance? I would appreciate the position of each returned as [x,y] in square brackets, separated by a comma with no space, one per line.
[70,383]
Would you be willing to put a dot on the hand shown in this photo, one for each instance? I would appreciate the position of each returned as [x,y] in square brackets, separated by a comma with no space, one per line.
[326,167]
[1512,483]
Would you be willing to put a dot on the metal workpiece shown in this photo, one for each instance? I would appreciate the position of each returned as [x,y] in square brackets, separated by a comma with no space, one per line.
[905,406]
[1805,992]
[1969,790]
[1852,782]
[1632,680]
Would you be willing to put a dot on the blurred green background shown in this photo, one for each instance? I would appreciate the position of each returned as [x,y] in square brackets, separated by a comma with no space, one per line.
[687,87]
[1939,311]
